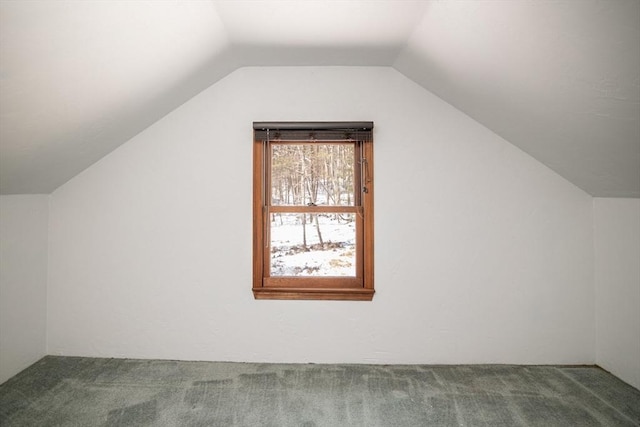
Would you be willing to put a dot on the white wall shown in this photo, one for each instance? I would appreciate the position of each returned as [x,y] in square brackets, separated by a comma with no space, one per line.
[23,281]
[482,253]
[617,279]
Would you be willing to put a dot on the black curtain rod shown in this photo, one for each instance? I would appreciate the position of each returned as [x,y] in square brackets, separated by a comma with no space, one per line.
[312,125]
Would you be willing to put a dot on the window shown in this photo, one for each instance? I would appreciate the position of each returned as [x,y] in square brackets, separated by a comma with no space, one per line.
[313,210]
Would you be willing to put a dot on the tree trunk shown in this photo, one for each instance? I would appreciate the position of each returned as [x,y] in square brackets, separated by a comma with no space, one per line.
[304,232]
[318,230]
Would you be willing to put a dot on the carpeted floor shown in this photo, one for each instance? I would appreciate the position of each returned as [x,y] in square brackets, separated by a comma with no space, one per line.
[71,391]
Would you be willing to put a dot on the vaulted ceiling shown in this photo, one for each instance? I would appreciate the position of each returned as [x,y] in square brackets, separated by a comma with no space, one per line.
[559,79]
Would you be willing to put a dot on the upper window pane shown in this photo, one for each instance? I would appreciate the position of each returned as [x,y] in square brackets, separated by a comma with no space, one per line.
[312,174]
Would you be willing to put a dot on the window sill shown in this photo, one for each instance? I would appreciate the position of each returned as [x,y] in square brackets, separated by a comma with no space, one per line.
[335,294]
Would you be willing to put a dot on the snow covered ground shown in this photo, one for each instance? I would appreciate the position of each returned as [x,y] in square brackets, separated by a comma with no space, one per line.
[336,258]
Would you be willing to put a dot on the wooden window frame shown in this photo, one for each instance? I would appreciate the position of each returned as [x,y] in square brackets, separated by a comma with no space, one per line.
[358,288]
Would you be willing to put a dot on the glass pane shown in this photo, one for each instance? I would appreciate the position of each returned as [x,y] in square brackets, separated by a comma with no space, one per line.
[322,174]
[313,244]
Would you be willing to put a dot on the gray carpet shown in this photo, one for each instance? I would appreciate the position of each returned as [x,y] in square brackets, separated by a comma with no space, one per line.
[71,391]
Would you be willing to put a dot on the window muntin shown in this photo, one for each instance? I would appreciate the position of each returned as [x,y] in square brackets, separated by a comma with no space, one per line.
[313,214]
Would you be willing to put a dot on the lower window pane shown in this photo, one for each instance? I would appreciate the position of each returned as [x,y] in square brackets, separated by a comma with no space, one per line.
[313,244]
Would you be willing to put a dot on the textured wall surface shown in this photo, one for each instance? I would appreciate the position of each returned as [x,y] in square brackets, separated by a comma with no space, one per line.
[559,79]
[617,279]
[482,253]
[23,281]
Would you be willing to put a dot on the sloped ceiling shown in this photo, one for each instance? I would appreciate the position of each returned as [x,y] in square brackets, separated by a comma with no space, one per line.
[560,79]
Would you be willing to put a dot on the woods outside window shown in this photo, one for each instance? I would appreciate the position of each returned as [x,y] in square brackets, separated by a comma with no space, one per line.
[313,210]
